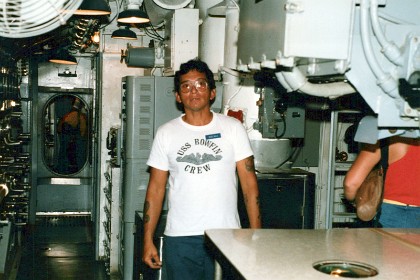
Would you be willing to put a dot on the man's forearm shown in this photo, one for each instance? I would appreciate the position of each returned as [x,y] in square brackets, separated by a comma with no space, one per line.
[249,184]
[252,203]
[150,220]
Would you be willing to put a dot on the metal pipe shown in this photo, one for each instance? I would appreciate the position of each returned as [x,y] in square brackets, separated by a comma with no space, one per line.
[10,142]
[296,81]
[390,50]
[384,80]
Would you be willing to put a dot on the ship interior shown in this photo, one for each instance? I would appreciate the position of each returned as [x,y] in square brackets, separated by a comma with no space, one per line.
[309,80]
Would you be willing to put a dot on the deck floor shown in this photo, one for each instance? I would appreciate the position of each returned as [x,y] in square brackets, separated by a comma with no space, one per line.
[60,248]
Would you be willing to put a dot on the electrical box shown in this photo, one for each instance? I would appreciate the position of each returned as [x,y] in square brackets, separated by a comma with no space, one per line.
[296,28]
[309,154]
[181,35]
[281,115]
[287,200]
[147,103]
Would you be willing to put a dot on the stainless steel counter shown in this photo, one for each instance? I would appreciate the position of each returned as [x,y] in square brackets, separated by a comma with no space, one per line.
[290,254]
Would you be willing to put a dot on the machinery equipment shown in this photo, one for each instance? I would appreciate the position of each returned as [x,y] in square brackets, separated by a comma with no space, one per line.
[372,44]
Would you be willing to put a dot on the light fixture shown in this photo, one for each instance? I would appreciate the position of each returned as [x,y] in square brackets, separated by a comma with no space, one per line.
[124,32]
[94,8]
[133,14]
[63,57]
[96,37]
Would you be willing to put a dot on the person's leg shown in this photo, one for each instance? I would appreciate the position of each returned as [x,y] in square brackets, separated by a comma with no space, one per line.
[186,258]
[209,265]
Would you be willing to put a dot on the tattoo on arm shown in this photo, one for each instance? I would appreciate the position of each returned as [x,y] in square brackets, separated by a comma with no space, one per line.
[146,217]
[257,200]
[258,205]
[249,164]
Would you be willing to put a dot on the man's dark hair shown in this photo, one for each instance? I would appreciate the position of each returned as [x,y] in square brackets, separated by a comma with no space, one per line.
[197,65]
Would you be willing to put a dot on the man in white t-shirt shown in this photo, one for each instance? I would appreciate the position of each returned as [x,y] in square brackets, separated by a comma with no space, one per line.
[200,152]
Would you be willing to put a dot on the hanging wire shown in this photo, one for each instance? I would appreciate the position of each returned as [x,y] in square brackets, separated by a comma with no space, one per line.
[150,30]
[284,128]
[293,155]
[152,34]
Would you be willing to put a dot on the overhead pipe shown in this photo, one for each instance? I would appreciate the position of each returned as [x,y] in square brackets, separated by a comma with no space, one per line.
[231,82]
[296,81]
[231,34]
[384,80]
[390,50]
[282,80]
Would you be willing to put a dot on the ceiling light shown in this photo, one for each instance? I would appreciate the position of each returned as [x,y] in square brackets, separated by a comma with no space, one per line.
[133,14]
[124,33]
[63,57]
[93,8]
[96,37]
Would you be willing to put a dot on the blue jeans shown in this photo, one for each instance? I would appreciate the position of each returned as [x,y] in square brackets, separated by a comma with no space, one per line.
[399,216]
[186,258]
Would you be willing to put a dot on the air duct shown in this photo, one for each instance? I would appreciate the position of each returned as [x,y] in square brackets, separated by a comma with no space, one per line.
[172,4]
[158,10]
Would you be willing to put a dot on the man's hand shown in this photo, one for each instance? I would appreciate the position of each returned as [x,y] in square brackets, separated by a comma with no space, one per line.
[151,256]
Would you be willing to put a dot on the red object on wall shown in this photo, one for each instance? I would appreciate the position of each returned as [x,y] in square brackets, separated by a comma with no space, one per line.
[236,114]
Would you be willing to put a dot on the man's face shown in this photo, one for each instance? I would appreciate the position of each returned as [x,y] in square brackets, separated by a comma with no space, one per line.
[194,92]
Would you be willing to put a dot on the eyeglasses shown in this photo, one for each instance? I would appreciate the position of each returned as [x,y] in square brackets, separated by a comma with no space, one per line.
[200,85]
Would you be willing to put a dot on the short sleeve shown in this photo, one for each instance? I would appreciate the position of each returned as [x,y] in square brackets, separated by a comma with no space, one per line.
[158,157]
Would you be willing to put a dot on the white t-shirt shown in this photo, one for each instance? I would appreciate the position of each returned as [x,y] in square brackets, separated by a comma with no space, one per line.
[201,161]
